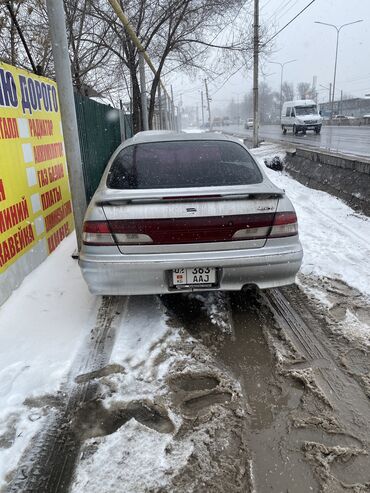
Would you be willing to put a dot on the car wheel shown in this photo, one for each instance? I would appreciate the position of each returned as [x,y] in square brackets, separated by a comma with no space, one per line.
[284,130]
[318,129]
[295,131]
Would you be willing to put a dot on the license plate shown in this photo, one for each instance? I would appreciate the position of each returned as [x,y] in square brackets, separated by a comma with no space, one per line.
[196,275]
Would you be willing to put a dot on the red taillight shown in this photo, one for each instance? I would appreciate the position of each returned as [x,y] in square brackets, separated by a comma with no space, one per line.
[97,233]
[285,224]
[103,233]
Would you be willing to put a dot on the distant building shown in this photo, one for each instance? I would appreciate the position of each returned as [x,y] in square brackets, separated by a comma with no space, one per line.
[356,107]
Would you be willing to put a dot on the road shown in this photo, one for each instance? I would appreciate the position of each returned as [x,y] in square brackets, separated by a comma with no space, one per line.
[346,140]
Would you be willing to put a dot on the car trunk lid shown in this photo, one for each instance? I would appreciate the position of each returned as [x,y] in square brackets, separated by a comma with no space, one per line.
[190,220]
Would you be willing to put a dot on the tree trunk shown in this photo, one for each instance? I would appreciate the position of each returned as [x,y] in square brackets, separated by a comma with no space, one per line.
[136,100]
[153,92]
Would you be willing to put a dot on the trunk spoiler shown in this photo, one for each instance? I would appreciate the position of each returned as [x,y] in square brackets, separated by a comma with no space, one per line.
[119,197]
[174,198]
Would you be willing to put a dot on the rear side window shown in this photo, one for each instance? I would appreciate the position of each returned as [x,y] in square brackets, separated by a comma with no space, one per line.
[182,164]
[288,110]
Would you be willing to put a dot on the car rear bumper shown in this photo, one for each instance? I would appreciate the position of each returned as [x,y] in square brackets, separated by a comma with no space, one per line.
[126,276]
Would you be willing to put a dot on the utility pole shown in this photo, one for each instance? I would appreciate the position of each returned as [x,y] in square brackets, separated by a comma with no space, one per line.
[160,106]
[122,122]
[144,104]
[208,105]
[170,116]
[237,109]
[173,111]
[56,17]
[255,72]
[178,119]
[201,95]
[341,102]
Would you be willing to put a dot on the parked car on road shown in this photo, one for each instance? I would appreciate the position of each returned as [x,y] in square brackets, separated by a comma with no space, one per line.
[343,118]
[249,123]
[187,212]
[300,115]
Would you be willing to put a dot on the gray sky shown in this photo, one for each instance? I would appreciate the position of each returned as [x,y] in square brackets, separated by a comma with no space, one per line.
[312,45]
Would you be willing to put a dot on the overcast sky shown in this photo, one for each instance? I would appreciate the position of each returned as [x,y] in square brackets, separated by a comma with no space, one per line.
[312,45]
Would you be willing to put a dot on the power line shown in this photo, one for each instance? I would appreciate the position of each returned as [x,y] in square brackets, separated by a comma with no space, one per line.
[264,44]
[279,9]
[286,25]
[283,13]
[212,40]
[265,5]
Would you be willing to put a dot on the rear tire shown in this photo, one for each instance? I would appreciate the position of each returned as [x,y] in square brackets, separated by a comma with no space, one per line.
[284,130]
[295,131]
[318,129]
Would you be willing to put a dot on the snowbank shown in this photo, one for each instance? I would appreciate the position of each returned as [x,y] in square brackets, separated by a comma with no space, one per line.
[335,239]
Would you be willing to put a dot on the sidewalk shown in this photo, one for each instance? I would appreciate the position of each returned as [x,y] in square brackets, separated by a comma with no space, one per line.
[42,326]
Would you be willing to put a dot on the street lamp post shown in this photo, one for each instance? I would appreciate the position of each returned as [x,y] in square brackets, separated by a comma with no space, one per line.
[281,80]
[338,29]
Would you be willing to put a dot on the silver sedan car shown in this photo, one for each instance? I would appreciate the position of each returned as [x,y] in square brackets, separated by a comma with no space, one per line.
[187,212]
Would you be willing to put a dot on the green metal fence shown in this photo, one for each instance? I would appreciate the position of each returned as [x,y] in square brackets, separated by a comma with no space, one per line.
[99,131]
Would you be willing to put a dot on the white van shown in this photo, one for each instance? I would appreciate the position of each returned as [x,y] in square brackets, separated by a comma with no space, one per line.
[300,115]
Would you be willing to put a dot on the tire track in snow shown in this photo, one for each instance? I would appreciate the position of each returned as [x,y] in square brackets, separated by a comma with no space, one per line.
[344,394]
[48,464]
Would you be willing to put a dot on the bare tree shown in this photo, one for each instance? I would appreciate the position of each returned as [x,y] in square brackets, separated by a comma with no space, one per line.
[189,35]
[287,91]
[304,90]
[178,34]
[90,61]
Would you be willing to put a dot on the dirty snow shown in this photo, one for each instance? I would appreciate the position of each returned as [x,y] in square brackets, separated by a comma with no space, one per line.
[136,454]
[335,238]
[41,327]
[134,458]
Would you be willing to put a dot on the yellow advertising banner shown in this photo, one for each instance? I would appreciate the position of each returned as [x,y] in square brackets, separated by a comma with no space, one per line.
[35,200]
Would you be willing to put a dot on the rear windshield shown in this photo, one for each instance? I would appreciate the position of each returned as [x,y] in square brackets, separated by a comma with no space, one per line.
[182,164]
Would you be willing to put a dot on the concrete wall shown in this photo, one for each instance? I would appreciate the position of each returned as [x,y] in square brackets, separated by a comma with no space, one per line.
[345,177]
[352,122]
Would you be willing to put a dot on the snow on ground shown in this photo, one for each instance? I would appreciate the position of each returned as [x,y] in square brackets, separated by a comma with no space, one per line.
[154,443]
[41,327]
[335,239]
[143,350]
[132,459]
[336,247]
